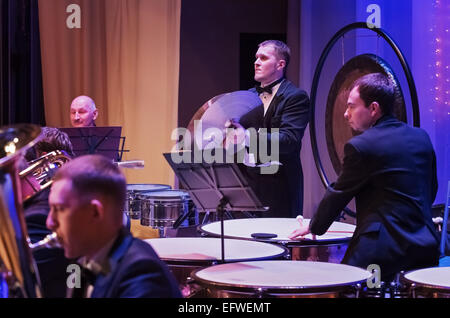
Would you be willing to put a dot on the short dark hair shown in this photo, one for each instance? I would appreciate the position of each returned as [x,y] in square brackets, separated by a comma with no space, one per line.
[95,175]
[376,87]
[52,139]
[281,49]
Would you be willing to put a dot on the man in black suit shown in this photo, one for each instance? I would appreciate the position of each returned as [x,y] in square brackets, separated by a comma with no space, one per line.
[390,169]
[280,123]
[86,212]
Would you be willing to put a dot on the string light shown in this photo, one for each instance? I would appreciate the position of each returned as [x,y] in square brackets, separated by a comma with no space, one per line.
[439,74]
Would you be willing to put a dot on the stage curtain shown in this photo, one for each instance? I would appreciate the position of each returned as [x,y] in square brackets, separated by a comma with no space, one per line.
[21,99]
[125,55]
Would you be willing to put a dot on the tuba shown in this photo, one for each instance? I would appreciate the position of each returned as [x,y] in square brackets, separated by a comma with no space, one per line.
[38,175]
[18,271]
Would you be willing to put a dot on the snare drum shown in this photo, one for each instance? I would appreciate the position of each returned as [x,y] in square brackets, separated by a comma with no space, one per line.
[186,254]
[291,279]
[133,204]
[162,208]
[329,247]
[431,282]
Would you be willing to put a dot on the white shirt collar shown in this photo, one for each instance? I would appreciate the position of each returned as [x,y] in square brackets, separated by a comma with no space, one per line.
[99,263]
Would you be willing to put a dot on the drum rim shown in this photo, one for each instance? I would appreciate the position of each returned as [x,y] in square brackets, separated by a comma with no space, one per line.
[184,195]
[425,285]
[273,289]
[147,190]
[289,243]
[213,262]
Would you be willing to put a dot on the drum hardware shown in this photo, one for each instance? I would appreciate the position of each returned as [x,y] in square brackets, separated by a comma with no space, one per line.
[192,290]
[358,288]
[433,282]
[438,221]
[413,290]
[397,289]
[375,292]
[162,209]
[356,291]
[281,279]
[260,293]
[183,218]
[133,204]
[329,247]
[183,255]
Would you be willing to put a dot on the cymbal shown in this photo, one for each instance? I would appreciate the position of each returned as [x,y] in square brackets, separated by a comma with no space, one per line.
[217,111]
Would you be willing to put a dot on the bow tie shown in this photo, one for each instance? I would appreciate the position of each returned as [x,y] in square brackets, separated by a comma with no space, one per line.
[268,88]
[87,278]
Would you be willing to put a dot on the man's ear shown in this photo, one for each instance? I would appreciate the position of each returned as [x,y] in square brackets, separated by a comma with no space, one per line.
[95,114]
[98,209]
[281,64]
[375,108]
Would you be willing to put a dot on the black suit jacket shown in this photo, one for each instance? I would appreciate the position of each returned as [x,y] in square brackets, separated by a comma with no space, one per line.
[136,271]
[390,169]
[282,192]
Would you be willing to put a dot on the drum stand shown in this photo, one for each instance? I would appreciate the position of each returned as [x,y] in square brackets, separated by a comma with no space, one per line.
[221,211]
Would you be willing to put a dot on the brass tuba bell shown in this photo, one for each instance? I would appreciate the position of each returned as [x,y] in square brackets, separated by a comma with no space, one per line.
[17,266]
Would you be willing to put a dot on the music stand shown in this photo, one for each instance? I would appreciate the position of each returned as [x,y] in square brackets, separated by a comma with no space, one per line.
[216,187]
[97,140]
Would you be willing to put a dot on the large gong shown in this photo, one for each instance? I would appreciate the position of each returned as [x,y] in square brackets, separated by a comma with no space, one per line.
[337,130]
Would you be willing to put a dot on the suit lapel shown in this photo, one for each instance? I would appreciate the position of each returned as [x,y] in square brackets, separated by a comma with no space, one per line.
[274,103]
[103,282]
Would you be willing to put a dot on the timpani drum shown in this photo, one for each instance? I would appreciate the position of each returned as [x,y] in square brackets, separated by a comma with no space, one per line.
[283,279]
[133,204]
[431,282]
[329,247]
[183,255]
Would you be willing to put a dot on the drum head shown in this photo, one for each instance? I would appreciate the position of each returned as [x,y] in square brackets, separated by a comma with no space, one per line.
[284,276]
[282,227]
[337,130]
[199,249]
[435,278]
[143,187]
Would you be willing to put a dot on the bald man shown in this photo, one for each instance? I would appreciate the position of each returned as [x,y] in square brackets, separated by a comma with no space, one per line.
[83,112]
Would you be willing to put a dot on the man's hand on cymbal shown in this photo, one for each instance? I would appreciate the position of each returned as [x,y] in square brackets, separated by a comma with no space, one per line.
[234,133]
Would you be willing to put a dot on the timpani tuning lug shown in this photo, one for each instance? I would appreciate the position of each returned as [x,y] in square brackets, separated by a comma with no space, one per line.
[260,293]
[358,288]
